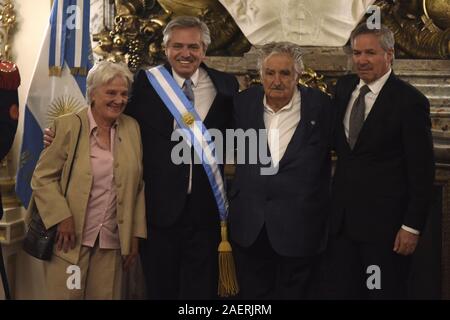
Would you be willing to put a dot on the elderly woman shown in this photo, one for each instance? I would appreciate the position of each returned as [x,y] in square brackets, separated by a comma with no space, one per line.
[102,215]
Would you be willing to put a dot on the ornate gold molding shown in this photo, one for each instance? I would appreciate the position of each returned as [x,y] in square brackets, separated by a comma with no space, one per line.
[7,23]
[136,34]
[421,27]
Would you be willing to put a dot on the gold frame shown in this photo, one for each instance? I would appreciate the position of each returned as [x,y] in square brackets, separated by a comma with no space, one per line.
[7,23]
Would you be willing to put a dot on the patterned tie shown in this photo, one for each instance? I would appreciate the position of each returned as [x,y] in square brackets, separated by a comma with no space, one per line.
[357,116]
[187,89]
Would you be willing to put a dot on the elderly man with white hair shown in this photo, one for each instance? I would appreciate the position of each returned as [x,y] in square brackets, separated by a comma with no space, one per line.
[278,217]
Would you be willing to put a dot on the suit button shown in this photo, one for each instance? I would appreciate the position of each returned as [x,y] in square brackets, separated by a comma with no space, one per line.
[116,165]
[120,221]
[119,185]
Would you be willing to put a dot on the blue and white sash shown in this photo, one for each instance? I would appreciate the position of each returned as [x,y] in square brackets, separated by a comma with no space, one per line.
[193,130]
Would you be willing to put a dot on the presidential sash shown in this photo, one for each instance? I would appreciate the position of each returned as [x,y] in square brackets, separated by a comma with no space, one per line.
[196,135]
[193,130]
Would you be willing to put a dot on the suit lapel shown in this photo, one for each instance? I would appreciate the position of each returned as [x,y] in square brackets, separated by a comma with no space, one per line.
[258,123]
[346,96]
[259,112]
[83,155]
[213,111]
[303,129]
[378,109]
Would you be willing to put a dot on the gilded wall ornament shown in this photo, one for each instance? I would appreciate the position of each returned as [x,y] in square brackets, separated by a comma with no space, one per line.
[136,34]
[421,27]
[7,23]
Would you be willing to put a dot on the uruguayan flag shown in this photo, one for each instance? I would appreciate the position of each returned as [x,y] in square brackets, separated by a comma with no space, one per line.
[58,84]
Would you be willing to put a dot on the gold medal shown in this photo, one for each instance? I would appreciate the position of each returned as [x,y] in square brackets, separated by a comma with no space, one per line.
[188,119]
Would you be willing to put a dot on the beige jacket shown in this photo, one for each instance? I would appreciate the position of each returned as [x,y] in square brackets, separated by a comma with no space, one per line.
[51,175]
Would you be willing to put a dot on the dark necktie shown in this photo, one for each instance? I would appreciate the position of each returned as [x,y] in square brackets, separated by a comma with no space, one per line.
[357,116]
[187,89]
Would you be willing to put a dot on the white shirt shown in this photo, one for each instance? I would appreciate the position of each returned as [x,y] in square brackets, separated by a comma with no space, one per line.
[204,95]
[375,88]
[204,91]
[281,126]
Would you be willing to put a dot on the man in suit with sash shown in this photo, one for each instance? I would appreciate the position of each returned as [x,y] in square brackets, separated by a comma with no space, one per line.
[180,254]
[278,215]
[384,175]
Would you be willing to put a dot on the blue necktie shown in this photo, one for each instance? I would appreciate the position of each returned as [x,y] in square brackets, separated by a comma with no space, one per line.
[187,89]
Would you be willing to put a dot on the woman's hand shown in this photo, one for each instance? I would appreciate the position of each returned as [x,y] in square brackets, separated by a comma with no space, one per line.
[130,259]
[65,235]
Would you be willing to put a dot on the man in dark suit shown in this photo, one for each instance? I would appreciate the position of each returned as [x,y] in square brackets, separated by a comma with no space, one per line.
[9,114]
[278,216]
[179,257]
[384,175]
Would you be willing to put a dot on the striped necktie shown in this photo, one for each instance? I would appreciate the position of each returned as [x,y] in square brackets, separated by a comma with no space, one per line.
[187,89]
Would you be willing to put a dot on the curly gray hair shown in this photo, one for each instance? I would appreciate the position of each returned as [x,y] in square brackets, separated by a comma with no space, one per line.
[272,48]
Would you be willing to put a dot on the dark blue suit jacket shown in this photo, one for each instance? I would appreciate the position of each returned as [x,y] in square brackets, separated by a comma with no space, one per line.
[293,204]
[166,183]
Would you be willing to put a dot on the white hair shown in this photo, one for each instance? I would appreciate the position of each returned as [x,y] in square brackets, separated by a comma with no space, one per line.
[104,72]
[272,48]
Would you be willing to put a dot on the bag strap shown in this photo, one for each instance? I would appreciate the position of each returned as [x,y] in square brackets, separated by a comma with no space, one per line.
[73,157]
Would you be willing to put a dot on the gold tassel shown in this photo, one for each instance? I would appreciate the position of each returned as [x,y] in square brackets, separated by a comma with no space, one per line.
[228,285]
[78,71]
[55,71]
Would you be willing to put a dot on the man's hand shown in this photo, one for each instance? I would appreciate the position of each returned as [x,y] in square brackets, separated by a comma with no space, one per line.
[130,259]
[65,235]
[405,242]
[49,135]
